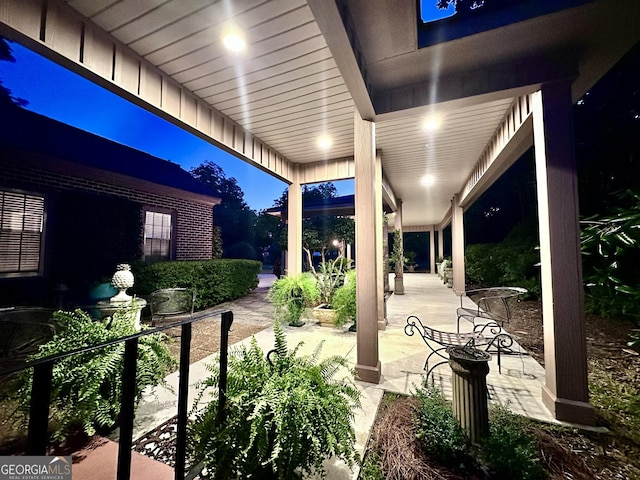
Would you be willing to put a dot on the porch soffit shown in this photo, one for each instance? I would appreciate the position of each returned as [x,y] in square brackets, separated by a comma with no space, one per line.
[304,73]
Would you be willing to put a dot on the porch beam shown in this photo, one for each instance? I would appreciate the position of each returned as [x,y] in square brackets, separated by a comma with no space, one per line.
[566,390]
[59,33]
[368,363]
[511,140]
[491,83]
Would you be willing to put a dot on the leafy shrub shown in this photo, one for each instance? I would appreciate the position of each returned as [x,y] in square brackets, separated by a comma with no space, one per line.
[215,281]
[509,451]
[86,388]
[292,295]
[439,432]
[285,415]
[610,256]
[344,300]
[513,262]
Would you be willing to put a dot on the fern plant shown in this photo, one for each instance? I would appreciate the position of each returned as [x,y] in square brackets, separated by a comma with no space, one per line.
[86,388]
[344,300]
[292,295]
[286,414]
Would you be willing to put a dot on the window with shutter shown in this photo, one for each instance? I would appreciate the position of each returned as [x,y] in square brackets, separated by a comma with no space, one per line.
[157,236]
[22,218]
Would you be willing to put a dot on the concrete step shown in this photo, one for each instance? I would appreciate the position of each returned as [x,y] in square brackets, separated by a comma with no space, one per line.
[101,463]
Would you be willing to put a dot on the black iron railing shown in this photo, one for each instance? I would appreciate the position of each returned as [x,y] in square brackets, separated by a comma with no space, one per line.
[37,437]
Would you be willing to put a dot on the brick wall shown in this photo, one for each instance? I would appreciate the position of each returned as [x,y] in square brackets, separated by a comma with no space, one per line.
[194,220]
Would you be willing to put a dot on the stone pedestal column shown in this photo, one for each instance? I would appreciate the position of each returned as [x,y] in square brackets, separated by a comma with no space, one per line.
[470,368]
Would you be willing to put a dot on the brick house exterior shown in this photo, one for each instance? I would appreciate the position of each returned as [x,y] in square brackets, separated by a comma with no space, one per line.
[72,169]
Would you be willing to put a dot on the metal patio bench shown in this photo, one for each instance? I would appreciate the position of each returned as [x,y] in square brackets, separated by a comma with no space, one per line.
[171,303]
[491,340]
[493,306]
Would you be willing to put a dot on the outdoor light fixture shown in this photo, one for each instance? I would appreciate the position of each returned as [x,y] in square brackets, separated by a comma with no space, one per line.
[427,180]
[324,142]
[432,123]
[233,39]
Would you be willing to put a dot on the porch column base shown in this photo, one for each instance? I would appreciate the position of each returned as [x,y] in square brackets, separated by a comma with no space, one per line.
[368,373]
[571,411]
[382,325]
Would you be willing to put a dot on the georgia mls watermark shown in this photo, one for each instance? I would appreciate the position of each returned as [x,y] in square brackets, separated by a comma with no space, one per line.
[35,468]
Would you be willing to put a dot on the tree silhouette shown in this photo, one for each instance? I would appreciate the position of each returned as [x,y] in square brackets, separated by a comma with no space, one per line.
[234,217]
[6,97]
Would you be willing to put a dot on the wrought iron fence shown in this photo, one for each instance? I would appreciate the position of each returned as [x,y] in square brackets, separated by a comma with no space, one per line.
[37,437]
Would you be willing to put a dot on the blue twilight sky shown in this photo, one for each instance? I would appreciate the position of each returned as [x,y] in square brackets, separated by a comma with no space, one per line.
[58,93]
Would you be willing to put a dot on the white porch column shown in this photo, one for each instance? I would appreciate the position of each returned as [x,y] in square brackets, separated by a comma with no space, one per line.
[440,243]
[294,228]
[398,283]
[432,249]
[379,220]
[566,391]
[457,246]
[368,362]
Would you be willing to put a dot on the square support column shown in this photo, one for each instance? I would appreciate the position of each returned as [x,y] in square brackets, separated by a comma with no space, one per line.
[432,249]
[457,246]
[294,228]
[368,362]
[566,390]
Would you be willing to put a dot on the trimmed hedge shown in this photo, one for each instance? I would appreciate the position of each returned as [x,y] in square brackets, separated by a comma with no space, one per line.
[215,281]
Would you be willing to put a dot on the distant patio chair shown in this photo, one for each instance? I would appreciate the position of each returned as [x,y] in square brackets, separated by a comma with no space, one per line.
[171,304]
[493,306]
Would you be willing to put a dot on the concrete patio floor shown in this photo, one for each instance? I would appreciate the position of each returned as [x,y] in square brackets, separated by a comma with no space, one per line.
[402,358]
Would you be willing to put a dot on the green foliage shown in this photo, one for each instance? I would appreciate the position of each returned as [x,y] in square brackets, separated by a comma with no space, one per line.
[439,432]
[617,401]
[509,451]
[216,247]
[513,262]
[284,416]
[86,388]
[215,281]
[344,300]
[292,295]
[329,277]
[372,468]
[234,216]
[397,252]
[610,258]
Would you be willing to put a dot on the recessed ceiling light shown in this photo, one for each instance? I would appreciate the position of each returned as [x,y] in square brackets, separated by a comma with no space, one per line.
[432,123]
[233,39]
[427,180]
[324,142]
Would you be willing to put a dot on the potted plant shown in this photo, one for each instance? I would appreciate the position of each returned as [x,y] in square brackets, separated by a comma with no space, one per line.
[329,277]
[292,295]
[447,272]
[285,415]
[410,263]
[344,302]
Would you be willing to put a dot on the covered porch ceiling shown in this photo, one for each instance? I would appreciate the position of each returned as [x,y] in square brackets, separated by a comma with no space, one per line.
[309,64]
